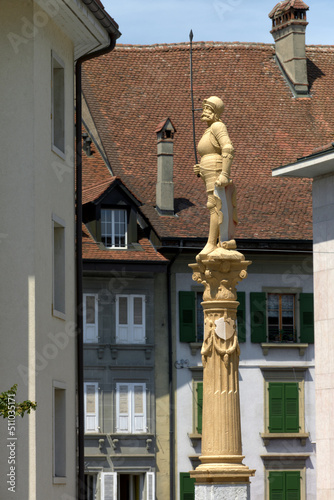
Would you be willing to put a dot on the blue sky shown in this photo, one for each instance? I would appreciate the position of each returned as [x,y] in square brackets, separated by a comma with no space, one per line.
[168,21]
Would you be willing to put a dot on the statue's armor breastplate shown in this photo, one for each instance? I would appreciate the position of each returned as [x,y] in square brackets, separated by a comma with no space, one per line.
[208,144]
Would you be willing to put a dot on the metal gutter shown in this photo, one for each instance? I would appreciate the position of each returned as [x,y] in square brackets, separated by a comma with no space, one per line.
[110,25]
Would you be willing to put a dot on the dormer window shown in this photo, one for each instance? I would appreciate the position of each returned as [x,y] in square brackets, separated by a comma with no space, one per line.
[114,228]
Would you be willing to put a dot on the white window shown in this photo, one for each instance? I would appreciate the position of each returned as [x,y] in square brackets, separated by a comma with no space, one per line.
[130,319]
[136,486]
[131,407]
[114,228]
[58,106]
[58,267]
[91,403]
[59,432]
[90,317]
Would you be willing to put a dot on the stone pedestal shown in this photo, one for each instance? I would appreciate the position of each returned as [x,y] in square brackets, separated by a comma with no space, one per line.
[221,467]
[222,492]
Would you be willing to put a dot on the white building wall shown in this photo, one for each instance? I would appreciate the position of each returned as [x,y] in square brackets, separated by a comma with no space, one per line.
[31,190]
[323,239]
[279,271]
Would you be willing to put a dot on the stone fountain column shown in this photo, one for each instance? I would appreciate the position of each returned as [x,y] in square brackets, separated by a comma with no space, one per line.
[221,474]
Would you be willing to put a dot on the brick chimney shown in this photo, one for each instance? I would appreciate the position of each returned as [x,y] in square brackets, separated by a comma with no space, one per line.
[288,29]
[165,187]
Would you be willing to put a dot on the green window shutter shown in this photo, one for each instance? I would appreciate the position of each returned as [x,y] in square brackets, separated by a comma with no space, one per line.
[276,486]
[187,316]
[199,406]
[187,486]
[258,317]
[292,485]
[276,407]
[306,318]
[291,393]
[241,315]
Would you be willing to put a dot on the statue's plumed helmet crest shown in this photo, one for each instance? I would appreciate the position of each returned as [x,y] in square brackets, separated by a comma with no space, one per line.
[216,104]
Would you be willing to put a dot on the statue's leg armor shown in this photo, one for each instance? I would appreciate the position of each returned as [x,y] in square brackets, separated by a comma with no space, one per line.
[215,219]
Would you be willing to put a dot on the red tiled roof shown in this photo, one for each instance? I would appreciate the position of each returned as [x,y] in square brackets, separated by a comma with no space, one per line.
[131,89]
[286,5]
[92,250]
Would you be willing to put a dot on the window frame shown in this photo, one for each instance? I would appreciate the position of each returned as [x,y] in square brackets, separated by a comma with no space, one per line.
[59,432]
[130,326]
[131,406]
[97,412]
[112,235]
[282,375]
[58,64]
[58,268]
[285,463]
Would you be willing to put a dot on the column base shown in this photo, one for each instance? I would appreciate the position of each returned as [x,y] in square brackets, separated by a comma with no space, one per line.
[221,470]
[222,492]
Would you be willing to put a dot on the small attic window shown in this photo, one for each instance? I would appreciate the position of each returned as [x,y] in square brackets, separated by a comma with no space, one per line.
[114,228]
[168,134]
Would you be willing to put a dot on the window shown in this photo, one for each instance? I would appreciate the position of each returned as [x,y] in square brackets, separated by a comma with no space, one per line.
[124,486]
[131,408]
[91,404]
[58,106]
[58,308]
[191,317]
[274,317]
[284,485]
[130,319]
[59,432]
[114,228]
[283,407]
[90,317]
[90,486]
[284,404]
[187,486]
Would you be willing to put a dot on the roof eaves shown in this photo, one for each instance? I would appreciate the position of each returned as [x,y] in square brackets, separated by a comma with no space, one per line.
[108,23]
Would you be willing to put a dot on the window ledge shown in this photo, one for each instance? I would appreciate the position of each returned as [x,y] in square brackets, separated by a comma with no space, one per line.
[267,436]
[59,480]
[194,346]
[195,439]
[272,345]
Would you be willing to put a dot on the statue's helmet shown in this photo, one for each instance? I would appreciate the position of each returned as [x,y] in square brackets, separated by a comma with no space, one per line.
[216,104]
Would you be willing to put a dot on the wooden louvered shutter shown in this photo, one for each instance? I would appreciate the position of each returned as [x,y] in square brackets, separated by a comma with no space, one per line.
[292,485]
[90,317]
[291,404]
[108,486]
[199,390]
[258,317]
[122,319]
[91,406]
[306,318]
[139,408]
[276,485]
[187,486]
[123,407]
[138,319]
[187,312]
[241,316]
[276,407]
[150,486]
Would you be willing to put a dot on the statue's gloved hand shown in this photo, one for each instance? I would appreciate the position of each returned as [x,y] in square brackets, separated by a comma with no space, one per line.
[197,169]
[222,180]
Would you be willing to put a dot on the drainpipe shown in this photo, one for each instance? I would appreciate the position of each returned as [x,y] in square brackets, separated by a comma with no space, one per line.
[170,378]
[79,268]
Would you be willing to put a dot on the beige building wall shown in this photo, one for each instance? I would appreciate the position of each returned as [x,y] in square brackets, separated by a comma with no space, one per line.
[37,348]
[323,238]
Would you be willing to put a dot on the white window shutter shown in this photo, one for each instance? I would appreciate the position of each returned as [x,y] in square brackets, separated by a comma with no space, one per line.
[90,317]
[91,406]
[138,319]
[108,485]
[122,319]
[150,486]
[139,408]
[123,392]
